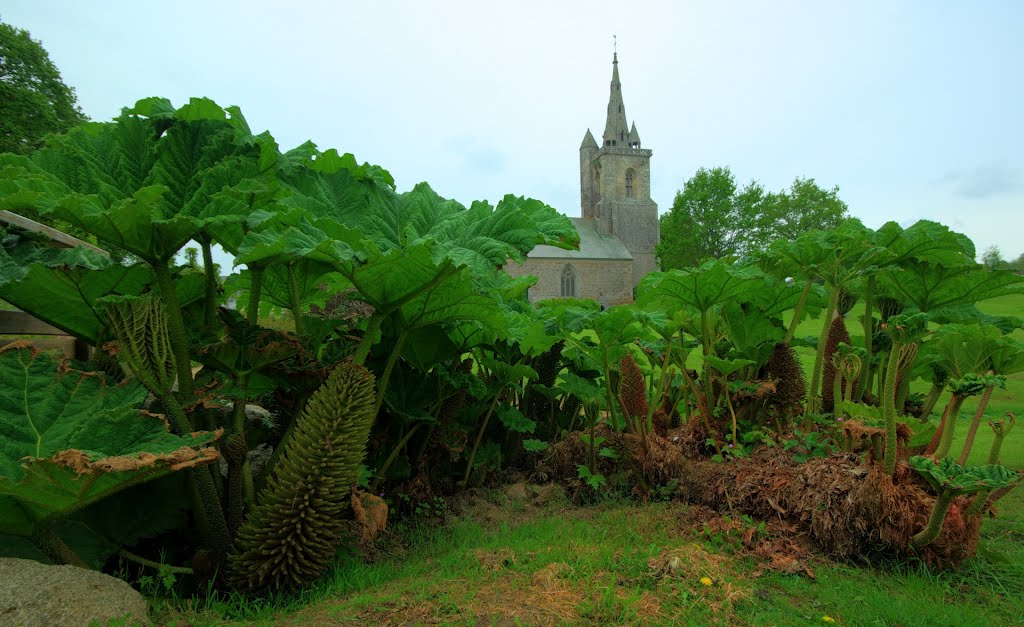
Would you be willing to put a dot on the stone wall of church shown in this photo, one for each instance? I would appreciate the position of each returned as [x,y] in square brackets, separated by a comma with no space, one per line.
[629,214]
[609,282]
[614,163]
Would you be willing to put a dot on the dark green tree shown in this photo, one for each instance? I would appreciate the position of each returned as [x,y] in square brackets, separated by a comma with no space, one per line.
[710,218]
[804,206]
[1017,265]
[992,258]
[34,101]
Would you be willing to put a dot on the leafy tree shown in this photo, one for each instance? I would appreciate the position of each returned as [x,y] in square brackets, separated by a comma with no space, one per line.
[1017,265]
[34,101]
[710,218]
[992,258]
[804,206]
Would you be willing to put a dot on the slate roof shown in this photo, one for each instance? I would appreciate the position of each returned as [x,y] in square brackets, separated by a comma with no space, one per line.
[593,245]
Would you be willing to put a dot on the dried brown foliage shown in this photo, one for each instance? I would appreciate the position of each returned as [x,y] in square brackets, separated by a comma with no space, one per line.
[661,462]
[184,457]
[850,511]
[369,518]
[661,421]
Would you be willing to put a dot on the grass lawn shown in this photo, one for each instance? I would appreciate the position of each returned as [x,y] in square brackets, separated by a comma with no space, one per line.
[507,559]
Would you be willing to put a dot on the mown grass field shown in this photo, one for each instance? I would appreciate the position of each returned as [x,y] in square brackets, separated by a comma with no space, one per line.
[527,557]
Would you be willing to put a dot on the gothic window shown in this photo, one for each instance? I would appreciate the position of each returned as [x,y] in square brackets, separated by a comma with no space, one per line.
[629,183]
[569,281]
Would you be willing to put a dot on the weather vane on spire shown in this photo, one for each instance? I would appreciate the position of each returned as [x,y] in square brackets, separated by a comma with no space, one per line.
[615,48]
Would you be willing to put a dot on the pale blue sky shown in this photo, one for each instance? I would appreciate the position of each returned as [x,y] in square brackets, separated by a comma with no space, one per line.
[914,109]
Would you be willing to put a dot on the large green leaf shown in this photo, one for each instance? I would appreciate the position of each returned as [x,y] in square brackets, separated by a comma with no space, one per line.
[617,328]
[752,333]
[702,288]
[423,292]
[586,391]
[246,347]
[481,237]
[934,286]
[291,236]
[925,241]
[837,256]
[71,439]
[1008,357]
[961,349]
[946,474]
[727,366]
[777,297]
[133,182]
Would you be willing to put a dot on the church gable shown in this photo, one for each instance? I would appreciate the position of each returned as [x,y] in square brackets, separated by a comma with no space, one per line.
[606,281]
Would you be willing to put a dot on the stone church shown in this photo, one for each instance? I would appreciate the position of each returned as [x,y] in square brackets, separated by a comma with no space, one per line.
[619,227]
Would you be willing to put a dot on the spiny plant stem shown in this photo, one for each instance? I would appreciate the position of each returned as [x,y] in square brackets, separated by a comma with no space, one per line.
[165,568]
[869,303]
[209,514]
[973,430]
[931,531]
[798,313]
[608,387]
[933,444]
[54,547]
[889,409]
[813,393]
[978,504]
[837,387]
[373,325]
[705,340]
[210,302]
[293,300]
[930,400]
[175,330]
[238,427]
[382,383]
[479,437]
[252,311]
[1000,429]
[382,473]
[946,440]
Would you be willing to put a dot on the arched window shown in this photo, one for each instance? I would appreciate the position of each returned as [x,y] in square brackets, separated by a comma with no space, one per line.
[629,183]
[569,281]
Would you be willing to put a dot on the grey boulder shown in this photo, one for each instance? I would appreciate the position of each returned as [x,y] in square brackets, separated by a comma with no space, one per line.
[38,594]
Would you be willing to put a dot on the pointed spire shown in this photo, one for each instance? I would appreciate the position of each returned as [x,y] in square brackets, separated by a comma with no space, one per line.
[588,141]
[634,137]
[616,129]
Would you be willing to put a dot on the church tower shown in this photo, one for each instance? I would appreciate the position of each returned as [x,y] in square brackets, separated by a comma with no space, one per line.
[615,183]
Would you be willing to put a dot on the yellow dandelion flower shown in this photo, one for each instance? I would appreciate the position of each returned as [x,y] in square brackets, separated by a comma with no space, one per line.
[827,619]
[706,581]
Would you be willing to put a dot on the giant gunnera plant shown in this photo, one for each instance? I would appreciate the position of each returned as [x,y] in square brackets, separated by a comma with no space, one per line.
[950,479]
[291,535]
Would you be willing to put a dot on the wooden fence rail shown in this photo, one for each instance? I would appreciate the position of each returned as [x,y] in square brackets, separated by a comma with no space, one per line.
[20,323]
